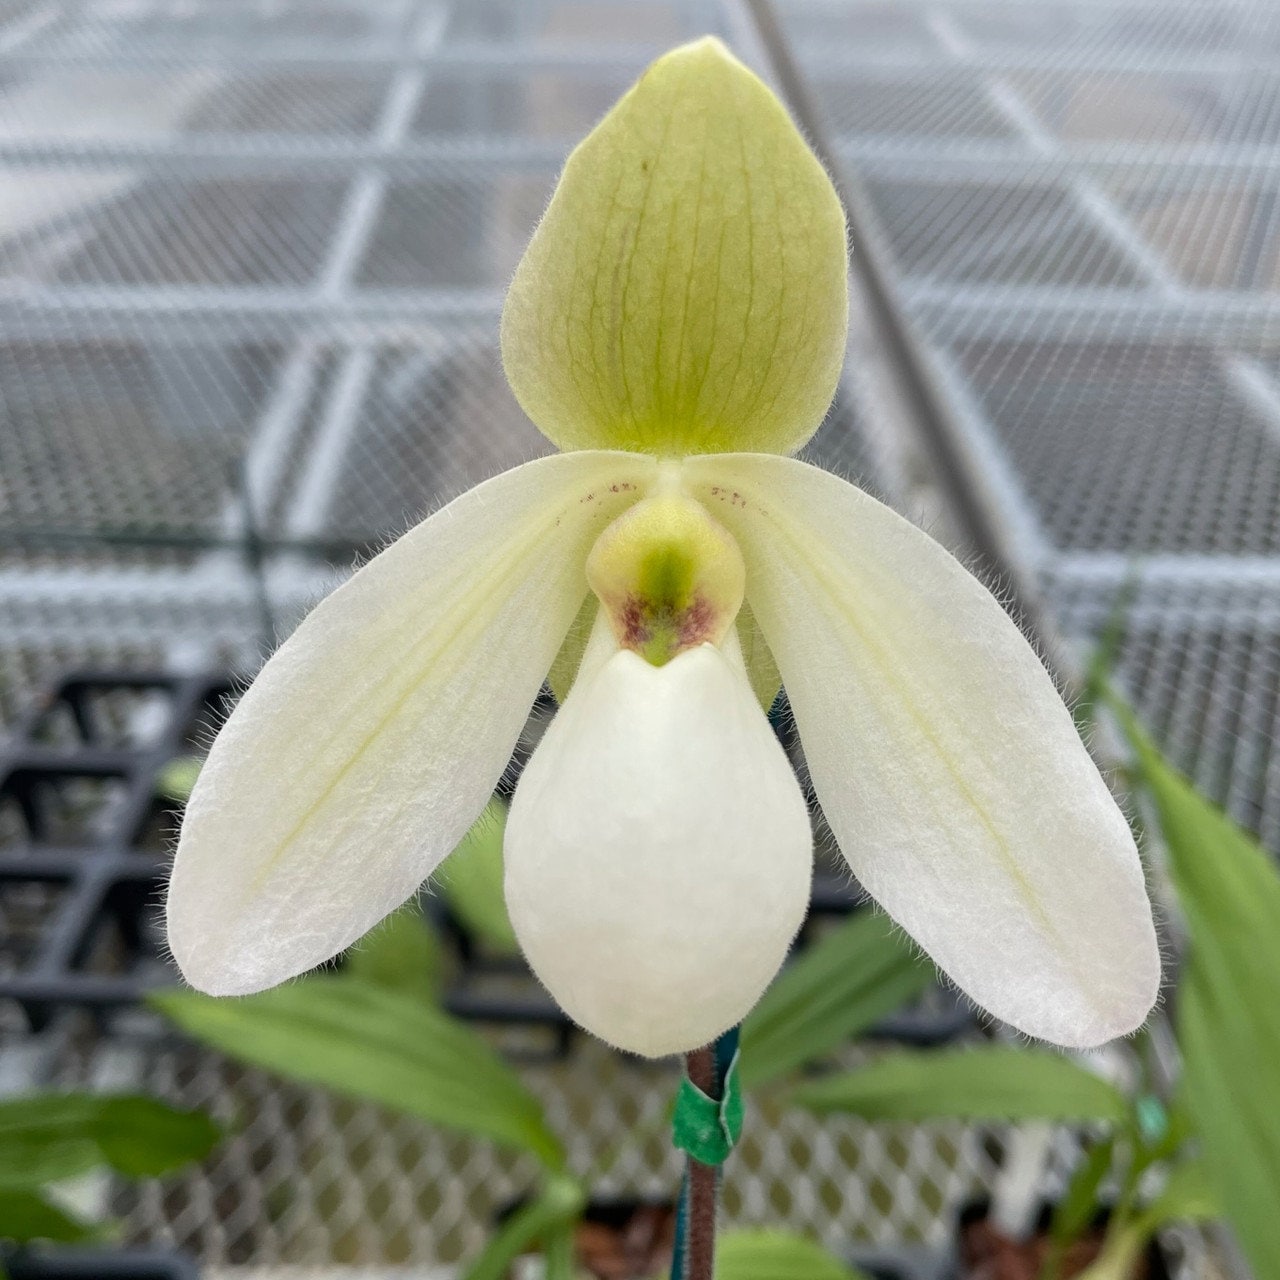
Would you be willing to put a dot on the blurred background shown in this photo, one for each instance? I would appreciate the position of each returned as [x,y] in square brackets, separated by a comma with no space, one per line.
[252,257]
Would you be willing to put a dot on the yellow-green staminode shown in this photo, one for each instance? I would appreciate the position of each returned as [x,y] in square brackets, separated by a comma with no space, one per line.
[677,326]
[667,576]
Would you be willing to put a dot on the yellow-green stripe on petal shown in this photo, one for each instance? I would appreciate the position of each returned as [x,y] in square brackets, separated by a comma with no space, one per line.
[686,289]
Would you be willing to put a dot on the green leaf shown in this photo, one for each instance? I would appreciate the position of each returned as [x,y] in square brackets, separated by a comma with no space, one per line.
[1103,659]
[143,1138]
[177,778]
[560,1202]
[38,1160]
[776,1255]
[831,992]
[1078,1207]
[47,1137]
[401,954]
[685,291]
[384,1046]
[471,880]
[968,1084]
[26,1216]
[558,1253]
[1228,999]
[1187,1197]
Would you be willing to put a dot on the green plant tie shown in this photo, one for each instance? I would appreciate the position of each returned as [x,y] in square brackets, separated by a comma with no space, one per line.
[1153,1119]
[708,1128]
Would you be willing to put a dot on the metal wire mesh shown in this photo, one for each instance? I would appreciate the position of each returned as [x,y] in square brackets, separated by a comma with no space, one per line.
[249,282]
[1079,206]
[313,1180]
[251,259]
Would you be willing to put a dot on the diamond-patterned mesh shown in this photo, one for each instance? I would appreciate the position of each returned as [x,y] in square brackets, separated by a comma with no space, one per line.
[252,254]
[313,1179]
[1078,207]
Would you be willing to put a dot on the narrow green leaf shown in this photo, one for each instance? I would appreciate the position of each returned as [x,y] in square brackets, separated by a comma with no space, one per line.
[26,1216]
[558,1253]
[47,1137]
[968,1084]
[142,1138]
[368,1042]
[1228,999]
[1121,1252]
[1187,1197]
[848,981]
[471,880]
[560,1202]
[776,1255]
[1079,1205]
[1102,661]
[28,1162]
[177,778]
[402,954]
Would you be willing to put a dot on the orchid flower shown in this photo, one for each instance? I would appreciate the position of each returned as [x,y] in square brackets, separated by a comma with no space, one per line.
[676,328]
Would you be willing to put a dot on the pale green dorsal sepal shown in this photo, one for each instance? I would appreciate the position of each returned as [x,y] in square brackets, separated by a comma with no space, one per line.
[686,289]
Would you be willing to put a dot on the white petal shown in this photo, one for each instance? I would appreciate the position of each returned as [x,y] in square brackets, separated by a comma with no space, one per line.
[658,852]
[367,745]
[944,759]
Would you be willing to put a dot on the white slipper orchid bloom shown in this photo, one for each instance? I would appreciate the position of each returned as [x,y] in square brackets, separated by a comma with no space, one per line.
[677,326]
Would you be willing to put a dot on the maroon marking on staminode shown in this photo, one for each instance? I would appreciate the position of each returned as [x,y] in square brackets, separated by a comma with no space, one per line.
[632,616]
[692,626]
[696,623]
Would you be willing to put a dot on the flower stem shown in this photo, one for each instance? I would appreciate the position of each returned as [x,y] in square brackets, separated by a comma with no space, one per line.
[694,1257]
[702,1182]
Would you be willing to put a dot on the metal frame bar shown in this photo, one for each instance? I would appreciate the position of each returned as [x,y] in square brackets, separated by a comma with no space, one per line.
[966,160]
[236,152]
[360,214]
[559,55]
[320,319]
[1168,312]
[822,59]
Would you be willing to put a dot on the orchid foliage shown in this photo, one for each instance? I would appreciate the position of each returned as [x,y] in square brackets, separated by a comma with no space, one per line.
[677,328]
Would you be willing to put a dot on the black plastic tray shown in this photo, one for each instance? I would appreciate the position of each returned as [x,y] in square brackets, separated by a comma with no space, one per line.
[86,831]
[85,834]
[93,1264]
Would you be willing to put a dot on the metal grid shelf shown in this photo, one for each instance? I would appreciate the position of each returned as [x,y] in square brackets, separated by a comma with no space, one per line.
[85,827]
[248,310]
[87,822]
[316,1181]
[85,833]
[249,285]
[276,283]
[1078,205]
